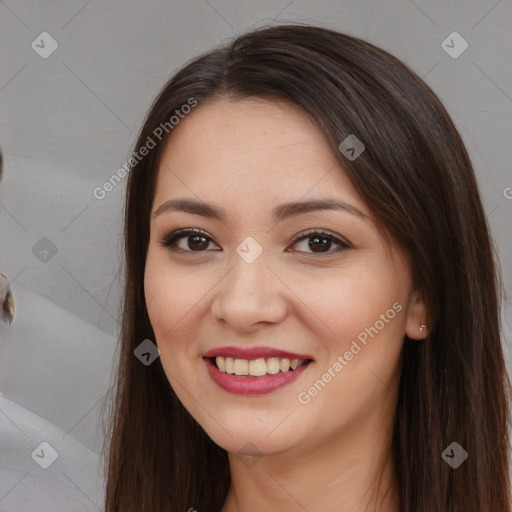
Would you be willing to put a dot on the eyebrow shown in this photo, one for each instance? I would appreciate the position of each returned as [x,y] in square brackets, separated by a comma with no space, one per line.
[279,213]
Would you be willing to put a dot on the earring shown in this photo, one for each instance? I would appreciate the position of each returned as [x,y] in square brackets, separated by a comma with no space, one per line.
[422,327]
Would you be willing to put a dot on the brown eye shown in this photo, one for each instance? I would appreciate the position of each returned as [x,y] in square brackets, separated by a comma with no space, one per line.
[320,242]
[197,241]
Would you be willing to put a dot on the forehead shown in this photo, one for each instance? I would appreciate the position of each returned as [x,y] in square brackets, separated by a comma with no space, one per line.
[256,147]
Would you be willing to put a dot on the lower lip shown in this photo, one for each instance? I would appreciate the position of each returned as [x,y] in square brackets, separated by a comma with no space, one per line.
[252,386]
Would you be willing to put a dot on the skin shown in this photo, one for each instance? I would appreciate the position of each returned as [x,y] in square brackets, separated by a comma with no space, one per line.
[248,156]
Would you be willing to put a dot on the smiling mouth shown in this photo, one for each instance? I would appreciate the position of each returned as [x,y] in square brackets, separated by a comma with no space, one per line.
[257,367]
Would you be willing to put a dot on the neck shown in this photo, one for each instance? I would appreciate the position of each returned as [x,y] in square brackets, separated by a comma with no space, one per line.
[351,472]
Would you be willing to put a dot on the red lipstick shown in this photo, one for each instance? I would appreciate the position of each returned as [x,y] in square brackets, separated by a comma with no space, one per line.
[253,353]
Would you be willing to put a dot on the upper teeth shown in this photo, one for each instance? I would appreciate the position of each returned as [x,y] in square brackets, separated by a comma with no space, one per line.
[256,367]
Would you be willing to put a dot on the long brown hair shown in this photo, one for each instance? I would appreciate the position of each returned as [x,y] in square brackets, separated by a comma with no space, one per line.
[416,177]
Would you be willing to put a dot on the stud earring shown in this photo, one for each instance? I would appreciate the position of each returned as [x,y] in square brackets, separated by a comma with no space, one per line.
[422,327]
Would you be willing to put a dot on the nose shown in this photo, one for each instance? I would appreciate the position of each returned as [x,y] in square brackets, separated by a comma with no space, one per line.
[249,297]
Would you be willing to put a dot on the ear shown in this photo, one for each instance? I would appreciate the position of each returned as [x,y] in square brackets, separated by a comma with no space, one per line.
[417,327]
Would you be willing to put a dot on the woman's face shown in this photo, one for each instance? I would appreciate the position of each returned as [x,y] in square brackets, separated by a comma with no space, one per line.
[245,290]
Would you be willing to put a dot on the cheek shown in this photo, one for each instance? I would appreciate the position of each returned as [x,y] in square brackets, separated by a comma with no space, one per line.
[359,315]
[172,300]
[342,305]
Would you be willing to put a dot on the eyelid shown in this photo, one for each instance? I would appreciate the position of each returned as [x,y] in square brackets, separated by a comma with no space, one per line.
[342,242]
[169,239]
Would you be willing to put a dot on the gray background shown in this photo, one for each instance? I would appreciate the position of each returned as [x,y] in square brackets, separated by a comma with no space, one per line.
[68,123]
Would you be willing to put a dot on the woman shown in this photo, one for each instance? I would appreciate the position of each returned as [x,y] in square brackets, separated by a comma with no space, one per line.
[306,246]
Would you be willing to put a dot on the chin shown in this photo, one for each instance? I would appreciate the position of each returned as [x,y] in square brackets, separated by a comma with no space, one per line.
[242,431]
[255,445]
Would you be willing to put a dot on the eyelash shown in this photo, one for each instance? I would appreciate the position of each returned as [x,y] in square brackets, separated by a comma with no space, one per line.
[169,240]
